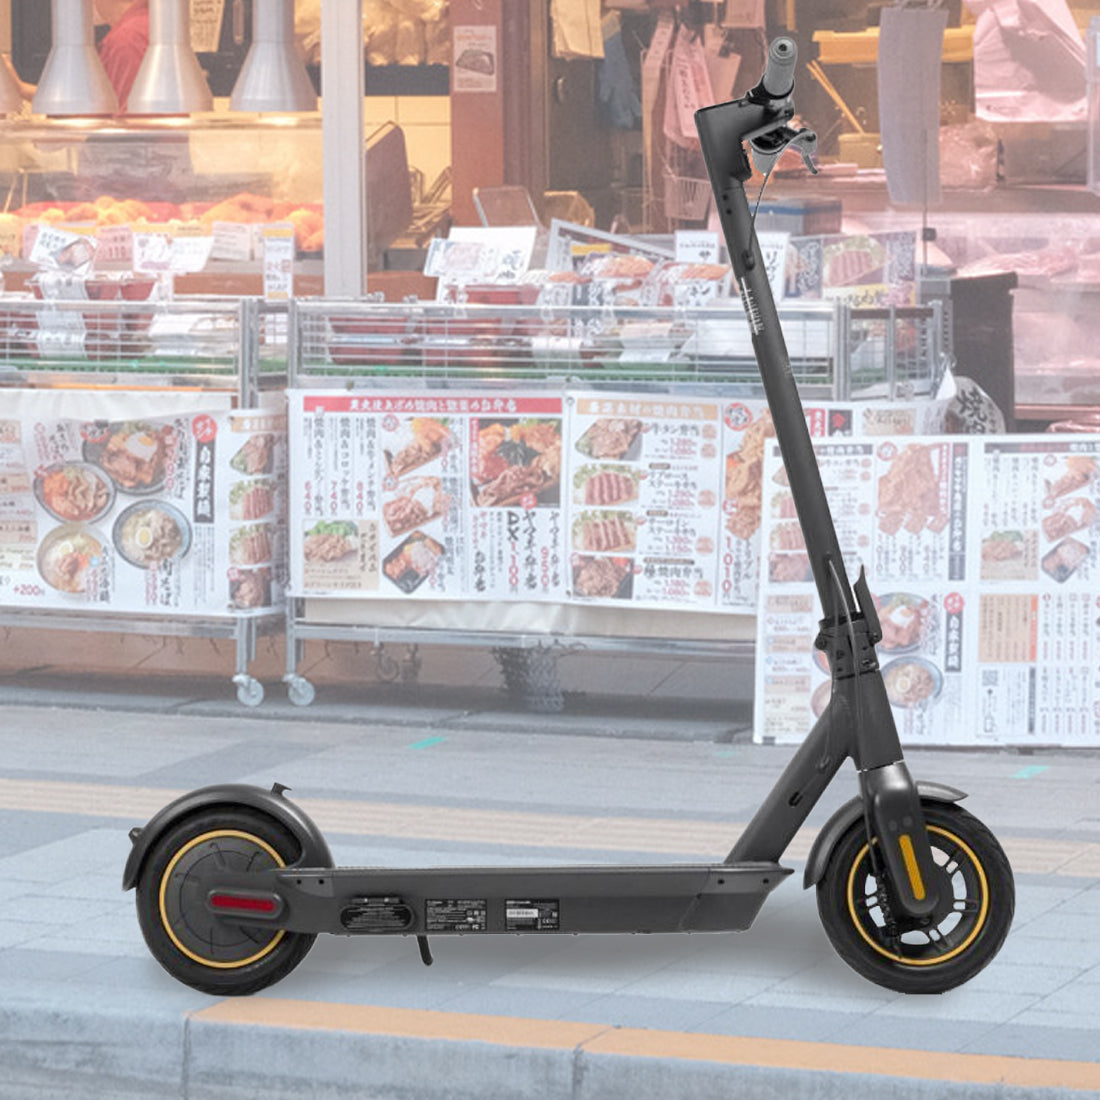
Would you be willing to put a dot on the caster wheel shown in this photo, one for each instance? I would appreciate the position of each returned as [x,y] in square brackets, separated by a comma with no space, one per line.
[190,942]
[977,899]
[300,691]
[250,691]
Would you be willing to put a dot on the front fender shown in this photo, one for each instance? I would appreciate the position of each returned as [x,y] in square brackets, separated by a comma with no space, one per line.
[852,811]
[315,851]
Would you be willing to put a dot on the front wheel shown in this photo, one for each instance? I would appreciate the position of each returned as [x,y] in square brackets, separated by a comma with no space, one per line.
[190,942]
[937,953]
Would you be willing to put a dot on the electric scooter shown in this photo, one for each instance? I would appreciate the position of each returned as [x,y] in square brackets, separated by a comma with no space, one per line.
[235,882]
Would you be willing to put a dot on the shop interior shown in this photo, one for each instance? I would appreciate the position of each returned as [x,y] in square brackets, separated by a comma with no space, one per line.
[582,113]
[477,193]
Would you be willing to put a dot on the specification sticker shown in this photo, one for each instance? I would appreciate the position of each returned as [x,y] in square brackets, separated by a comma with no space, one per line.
[537,915]
[455,915]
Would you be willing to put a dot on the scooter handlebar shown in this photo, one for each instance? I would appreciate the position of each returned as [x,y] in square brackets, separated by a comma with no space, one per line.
[778,78]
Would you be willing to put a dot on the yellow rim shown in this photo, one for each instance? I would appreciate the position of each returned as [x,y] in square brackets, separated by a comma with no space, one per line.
[894,957]
[217,834]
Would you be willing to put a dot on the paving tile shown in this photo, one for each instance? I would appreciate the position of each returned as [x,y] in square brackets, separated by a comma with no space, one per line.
[624,1009]
[913,1032]
[825,1002]
[1019,948]
[1032,901]
[32,908]
[525,1002]
[1079,999]
[21,963]
[1064,925]
[1067,1022]
[1041,1035]
[74,855]
[118,949]
[790,1022]
[832,977]
[20,934]
[1007,977]
[91,887]
[963,1003]
[699,985]
[1086,901]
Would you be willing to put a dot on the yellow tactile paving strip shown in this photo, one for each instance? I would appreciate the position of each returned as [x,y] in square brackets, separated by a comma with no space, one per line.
[600,1039]
[414,821]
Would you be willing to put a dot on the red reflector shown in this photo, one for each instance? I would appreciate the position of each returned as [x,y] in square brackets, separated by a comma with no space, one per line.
[234,901]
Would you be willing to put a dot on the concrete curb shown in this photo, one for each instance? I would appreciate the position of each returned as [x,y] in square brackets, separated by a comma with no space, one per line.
[285,1050]
[641,718]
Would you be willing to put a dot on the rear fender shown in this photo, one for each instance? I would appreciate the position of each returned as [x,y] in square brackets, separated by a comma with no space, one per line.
[852,811]
[315,852]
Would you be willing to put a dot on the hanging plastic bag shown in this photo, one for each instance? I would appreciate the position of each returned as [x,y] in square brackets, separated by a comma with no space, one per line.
[688,89]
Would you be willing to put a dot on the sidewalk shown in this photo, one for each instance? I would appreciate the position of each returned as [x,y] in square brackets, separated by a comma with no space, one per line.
[441,776]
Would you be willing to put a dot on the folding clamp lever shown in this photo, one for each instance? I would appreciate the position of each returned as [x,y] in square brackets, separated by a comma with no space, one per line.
[768,145]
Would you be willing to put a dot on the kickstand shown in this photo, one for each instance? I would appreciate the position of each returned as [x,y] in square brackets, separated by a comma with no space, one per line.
[425,950]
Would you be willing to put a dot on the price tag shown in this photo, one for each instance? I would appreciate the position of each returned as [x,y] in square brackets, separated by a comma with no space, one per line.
[60,249]
[152,252]
[232,241]
[189,254]
[278,262]
[60,334]
[116,246]
[696,246]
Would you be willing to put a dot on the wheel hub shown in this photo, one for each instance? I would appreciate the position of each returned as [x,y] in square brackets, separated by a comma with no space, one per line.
[196,931]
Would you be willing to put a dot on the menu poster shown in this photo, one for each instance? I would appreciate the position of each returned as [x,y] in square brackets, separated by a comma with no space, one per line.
[1039,640]
[249,504]
[644,472]
[982,556]
[418,496]
[875,269]
[138,514]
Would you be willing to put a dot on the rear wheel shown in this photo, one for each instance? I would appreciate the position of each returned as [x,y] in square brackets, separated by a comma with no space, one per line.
[937,953]
[191,943]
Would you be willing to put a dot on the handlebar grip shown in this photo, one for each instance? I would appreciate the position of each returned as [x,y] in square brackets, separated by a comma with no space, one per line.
[778,78]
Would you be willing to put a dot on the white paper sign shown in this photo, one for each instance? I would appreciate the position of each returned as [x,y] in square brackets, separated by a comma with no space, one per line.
[697,246]
[61,250]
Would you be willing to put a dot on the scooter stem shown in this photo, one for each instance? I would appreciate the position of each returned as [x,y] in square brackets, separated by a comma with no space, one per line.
[788,415]
[849,630]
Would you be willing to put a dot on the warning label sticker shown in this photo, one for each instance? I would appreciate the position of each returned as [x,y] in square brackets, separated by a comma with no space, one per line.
[532,915]
[455,915]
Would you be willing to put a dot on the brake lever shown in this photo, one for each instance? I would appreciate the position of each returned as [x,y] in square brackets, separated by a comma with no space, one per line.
[768,146]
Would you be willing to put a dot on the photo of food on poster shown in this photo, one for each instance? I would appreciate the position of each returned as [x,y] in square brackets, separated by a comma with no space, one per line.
[644,506]
[746,426]
[140,514]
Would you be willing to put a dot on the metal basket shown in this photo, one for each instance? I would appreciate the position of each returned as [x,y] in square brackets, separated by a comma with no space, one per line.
[686,198]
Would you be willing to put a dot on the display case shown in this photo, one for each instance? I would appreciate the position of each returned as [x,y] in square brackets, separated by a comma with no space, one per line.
[217,176]
[539,478]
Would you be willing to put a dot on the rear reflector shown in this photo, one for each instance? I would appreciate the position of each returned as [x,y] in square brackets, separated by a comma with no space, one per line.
[244,904]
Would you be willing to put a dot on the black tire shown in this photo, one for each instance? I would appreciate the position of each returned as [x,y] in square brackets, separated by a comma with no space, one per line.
[977,899]
[193,945]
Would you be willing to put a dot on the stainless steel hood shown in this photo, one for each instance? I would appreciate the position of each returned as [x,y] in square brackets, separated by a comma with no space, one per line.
[273,77]
[74,81]
[170,80]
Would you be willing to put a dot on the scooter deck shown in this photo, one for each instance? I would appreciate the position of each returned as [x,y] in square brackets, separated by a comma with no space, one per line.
[705,897]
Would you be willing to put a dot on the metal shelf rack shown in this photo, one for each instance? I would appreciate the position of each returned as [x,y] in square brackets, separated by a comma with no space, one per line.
[837,353]
[234,346]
